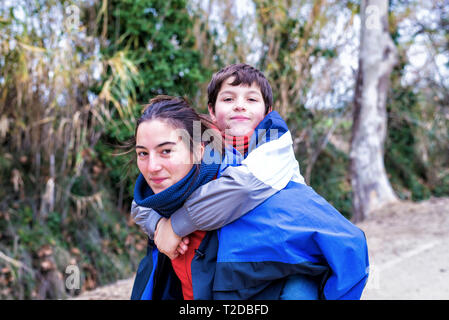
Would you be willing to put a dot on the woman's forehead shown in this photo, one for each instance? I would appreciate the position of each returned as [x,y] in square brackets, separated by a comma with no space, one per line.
[153,132]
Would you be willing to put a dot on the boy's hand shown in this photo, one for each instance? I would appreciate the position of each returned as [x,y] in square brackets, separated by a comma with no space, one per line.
[166,240]
[183,245]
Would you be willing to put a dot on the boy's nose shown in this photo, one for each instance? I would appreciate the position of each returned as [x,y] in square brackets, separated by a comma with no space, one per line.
[240,104]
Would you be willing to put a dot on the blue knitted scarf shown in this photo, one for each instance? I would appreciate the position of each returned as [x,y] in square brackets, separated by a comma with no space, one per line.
[171,199]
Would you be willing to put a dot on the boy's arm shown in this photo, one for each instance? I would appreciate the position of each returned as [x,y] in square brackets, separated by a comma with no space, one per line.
[265,171]
[166,241]
[145,218]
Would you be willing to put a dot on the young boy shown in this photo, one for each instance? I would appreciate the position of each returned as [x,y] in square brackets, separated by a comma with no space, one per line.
[239,97]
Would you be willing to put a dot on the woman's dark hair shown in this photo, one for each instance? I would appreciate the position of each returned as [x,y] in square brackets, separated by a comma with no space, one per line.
[178,113]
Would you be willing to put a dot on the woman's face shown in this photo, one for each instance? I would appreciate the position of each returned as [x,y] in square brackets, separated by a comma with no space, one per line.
[162,156]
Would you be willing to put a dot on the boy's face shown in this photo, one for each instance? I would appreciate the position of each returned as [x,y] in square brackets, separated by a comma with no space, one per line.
[238,109]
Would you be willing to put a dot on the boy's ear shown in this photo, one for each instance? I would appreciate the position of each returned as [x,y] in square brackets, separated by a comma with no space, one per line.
[211,112]
[269,110]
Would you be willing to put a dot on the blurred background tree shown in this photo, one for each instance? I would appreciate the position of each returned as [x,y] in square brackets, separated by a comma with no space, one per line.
[371,188]
[74,75]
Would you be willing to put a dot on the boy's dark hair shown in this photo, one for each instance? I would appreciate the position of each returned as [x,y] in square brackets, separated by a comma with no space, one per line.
[243,74]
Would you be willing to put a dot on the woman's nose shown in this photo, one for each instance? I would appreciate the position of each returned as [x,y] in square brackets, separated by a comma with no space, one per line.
[154,164]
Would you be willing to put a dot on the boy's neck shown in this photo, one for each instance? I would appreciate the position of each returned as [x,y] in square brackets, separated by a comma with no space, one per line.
[240,143]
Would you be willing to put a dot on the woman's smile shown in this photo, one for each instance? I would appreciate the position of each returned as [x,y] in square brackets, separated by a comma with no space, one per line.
[158,180]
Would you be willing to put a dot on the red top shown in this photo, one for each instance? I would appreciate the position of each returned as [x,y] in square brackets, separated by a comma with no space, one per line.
[239,143]
[182,264]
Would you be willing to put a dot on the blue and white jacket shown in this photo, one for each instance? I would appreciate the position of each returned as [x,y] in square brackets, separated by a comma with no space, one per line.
[271,224]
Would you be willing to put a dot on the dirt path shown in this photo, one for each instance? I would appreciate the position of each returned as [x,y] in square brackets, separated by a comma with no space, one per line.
[120,290]
[407,244]
[408,252]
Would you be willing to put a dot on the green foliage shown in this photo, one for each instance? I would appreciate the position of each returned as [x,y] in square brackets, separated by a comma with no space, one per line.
[331,180]
[414,155]
[163,52]
[80,121]
[97,240]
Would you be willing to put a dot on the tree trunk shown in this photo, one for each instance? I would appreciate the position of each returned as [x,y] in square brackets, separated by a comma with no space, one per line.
[378,55]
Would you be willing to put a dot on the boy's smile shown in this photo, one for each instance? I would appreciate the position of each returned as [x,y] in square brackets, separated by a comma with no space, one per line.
[238,109]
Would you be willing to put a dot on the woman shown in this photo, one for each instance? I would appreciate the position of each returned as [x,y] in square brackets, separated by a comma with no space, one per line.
[169,160]
[294,232]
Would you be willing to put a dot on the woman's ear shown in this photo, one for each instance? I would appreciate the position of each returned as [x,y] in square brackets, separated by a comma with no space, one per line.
[201,151]
[198,153]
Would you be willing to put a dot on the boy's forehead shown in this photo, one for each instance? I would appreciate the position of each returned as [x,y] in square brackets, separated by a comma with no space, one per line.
[227,84]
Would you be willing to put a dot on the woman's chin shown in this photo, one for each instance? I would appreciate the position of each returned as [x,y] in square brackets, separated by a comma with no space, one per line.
[159,187]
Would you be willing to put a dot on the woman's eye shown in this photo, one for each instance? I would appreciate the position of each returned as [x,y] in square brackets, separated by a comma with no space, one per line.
[142,154]
[166,151]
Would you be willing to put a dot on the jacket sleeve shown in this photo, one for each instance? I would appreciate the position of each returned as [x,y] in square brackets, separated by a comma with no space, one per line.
[239,189]
[145,218]
[347,257]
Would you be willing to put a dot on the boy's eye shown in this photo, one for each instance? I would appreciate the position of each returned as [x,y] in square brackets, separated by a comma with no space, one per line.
[227,99]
